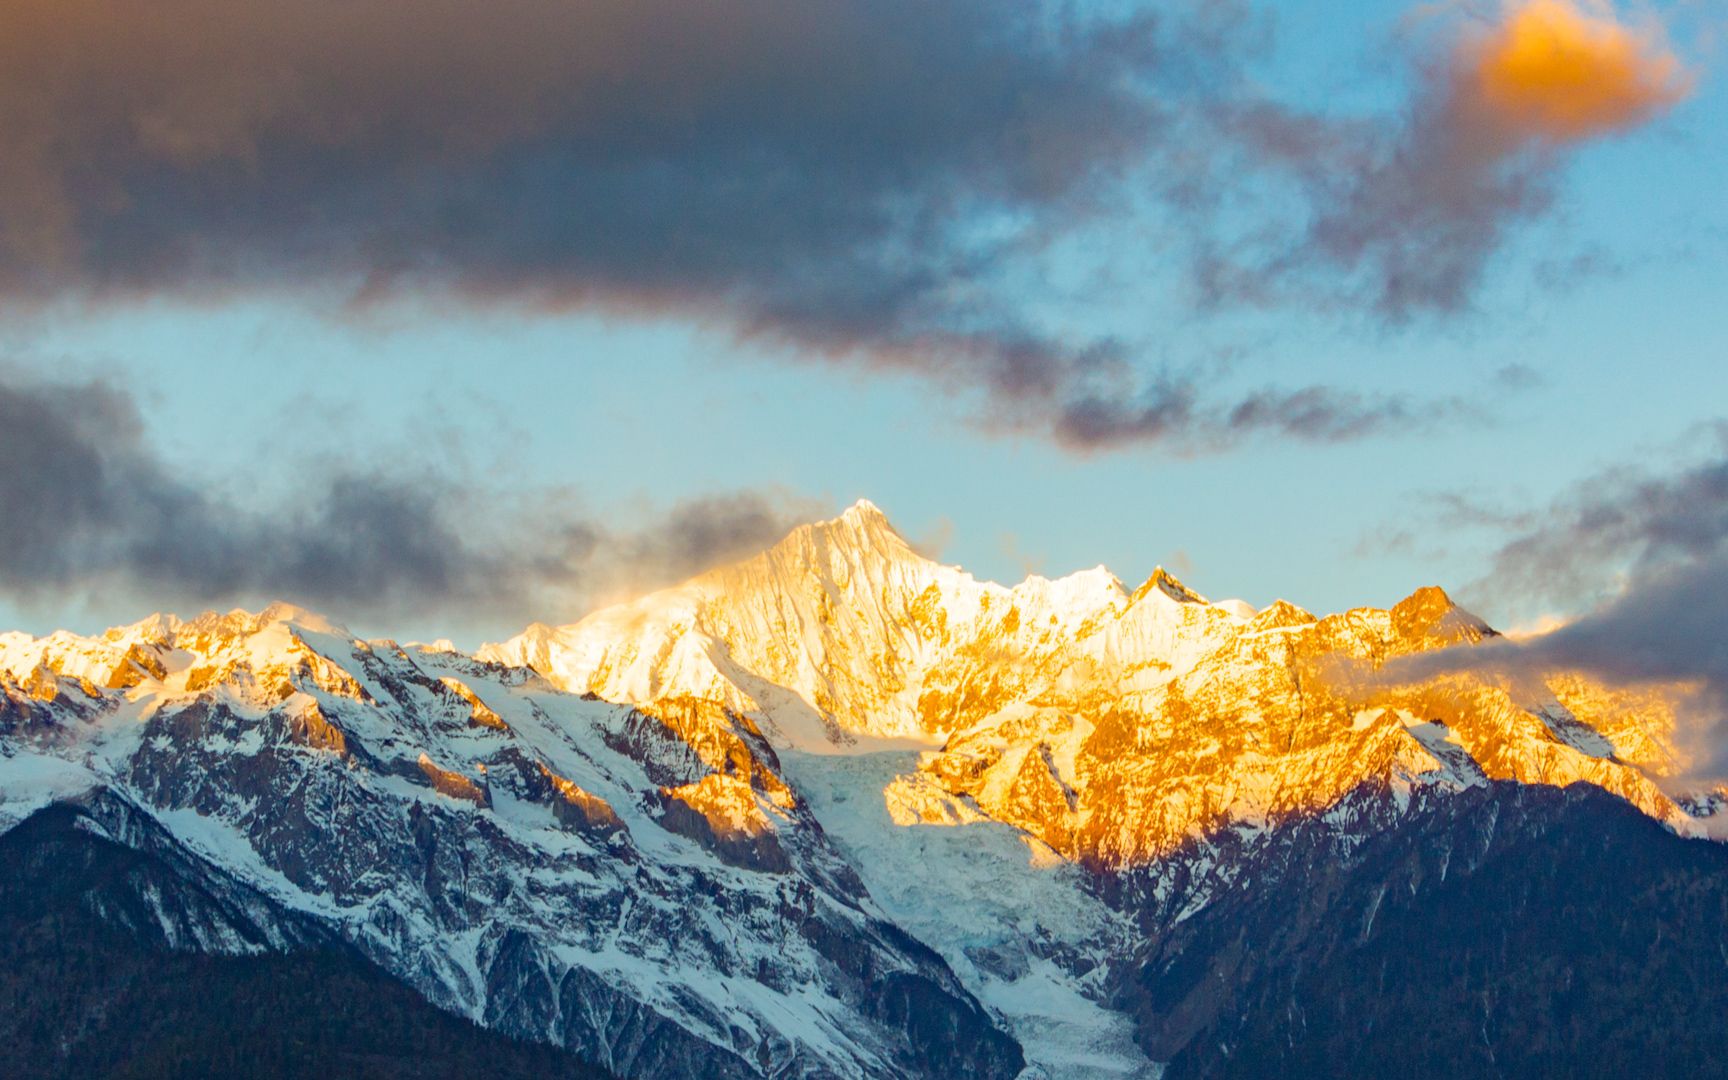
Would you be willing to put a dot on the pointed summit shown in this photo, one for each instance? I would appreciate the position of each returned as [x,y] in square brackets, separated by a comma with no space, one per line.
[1429,616]
[1166,583]
[864,510]
[1280,614]
[867,520]
[157,629]
[862,533]
[282,611]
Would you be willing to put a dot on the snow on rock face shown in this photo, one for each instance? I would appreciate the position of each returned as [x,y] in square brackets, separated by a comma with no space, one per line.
[644,889]
[1020,925]
[860,635]
[1112,726]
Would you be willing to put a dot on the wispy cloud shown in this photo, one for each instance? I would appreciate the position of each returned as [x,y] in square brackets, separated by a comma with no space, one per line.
[1405,212]
[1614,527]
[1110,403]
[91,509]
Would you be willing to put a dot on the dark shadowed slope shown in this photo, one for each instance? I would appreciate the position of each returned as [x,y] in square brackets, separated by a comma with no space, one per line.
[1502,931]
[98,976]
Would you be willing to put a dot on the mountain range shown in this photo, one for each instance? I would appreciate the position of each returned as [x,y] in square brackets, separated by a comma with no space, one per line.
[842,811]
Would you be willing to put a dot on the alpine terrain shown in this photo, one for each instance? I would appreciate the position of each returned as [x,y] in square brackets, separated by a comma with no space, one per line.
[842,811]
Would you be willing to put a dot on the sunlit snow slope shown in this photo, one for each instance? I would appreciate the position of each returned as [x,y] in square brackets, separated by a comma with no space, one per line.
[1112,725]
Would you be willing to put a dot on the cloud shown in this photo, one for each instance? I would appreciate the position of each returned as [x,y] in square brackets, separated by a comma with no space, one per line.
[1405,213]
[857,182]
[1556,72]
[807,163]
[1615,526]
[839,176]
[91,510]
[1176,414]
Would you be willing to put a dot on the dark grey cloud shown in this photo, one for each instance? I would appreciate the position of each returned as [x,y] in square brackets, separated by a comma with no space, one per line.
[845,177]
[90,509]
[1669,624]
[837,175]
[1623,521]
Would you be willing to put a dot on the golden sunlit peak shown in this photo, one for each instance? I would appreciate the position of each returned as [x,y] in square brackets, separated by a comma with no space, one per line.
[865,521]
[864,509]
[1166,582]
[1562,71]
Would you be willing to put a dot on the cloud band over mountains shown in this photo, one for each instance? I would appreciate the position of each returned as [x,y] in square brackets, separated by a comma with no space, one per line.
[842,177]
[90,508]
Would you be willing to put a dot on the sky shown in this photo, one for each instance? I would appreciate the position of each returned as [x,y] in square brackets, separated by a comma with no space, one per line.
[447,325]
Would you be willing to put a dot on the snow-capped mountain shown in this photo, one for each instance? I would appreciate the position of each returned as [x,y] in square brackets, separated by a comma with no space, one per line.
[646,891]
[1112,725]
[837,810]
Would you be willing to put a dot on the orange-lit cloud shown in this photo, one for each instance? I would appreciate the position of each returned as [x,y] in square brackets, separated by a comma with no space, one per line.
[870,183]
[1409,210]
[1560,72]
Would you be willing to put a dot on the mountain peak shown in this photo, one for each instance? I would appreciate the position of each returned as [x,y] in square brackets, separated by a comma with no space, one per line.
[282,611]
[867,519]
[864,510]
[157,629]
[1166,583]
[1428,614]
[862,530]
[242,623]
